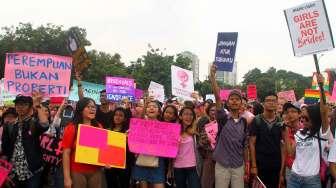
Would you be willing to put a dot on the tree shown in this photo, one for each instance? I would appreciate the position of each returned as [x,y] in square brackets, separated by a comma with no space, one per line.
[155,66]
[276,80]
[48,39]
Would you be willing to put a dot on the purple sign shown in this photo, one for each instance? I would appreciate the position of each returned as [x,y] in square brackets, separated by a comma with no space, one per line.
[119,88]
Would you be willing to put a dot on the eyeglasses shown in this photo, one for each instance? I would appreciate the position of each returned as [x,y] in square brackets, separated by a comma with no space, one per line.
[91,107]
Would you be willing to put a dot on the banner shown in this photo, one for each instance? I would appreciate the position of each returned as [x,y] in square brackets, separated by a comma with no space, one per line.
[212,129]
[154,137]
[288,95]
[118,88]
[312,96]
[226,51]
[100,147]
[28,72]
[309,28]
[224,94]
[251,92]
[157,91]
[90,90]
[51,149]
[182,82]
[6,99]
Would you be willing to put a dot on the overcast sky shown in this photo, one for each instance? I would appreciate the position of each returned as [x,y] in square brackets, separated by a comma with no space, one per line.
[127,26]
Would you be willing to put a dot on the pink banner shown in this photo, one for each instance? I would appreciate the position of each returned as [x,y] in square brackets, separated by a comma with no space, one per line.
[212,129]
[28,72]
[251,91]
[224,94]
[288,95]
[154,137]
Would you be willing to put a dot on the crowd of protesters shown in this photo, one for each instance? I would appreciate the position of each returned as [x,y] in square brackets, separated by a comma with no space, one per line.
[281,143]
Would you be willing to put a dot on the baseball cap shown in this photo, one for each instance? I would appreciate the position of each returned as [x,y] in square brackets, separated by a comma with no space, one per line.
[235,92]
[23,99]
[292,105]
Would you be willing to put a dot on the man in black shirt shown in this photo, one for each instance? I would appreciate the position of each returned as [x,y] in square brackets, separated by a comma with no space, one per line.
[104,114]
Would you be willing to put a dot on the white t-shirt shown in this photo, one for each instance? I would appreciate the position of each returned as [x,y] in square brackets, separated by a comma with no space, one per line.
[332,153]
[307,156]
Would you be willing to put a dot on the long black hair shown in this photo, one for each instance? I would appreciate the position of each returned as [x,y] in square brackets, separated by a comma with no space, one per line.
[175,112]
[314,114]
[78,116]
[125,123]
[191,127]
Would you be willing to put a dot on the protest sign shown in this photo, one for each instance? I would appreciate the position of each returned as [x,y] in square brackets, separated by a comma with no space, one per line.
[309,28]
[51,149]
[118,88]
[156,90]
[312,96]
[288,95]
[6,98]
[210,96]
[90,90]
[224,94]
[28,72]
[251,92]
[212,129]
[154,137]
[5,169]
[226,51]
[326,83]
[182,82]
[138,93]
[100,147]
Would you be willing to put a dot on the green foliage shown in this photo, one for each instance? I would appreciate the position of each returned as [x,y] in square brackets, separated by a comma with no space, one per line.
[276,80]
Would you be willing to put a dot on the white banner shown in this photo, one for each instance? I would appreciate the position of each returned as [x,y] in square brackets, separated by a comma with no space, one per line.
[157,91]
[182,82]
[309,28]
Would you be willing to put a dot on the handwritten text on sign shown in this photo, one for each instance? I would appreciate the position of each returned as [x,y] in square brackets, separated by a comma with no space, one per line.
[226,51]
[309,28]
[212,130]
[119,88]
[154,138]
[28,72]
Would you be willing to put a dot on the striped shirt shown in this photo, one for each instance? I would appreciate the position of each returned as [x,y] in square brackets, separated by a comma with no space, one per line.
[233,139]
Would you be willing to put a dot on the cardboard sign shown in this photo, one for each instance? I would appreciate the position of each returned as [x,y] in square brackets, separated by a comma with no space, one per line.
[309,28]
[100,147]
[157,91]
[5,169]
[118,88]
[154,138]
[226,51]
[138,94]
[28,72]
[212,129]
[6,98]
[51,149]
[288,95]
[182,82]
[224,94]
[90,90]
[251,92]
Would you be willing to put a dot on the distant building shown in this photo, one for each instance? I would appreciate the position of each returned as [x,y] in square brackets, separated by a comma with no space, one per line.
[194,64]
[228,77]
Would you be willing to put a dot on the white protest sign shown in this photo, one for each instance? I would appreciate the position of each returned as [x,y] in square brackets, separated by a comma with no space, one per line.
[210,96]
[309,28]
[182,82]
[156,90]
[6,98]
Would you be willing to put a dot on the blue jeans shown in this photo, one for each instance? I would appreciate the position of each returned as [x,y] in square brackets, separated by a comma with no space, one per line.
[186,178]
[297,181]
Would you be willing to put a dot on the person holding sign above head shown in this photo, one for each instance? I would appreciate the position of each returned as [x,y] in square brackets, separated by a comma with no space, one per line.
[20,143]
[310,142]
[154,173]
[77,175]
[115,177]
[231,151]
[185,163]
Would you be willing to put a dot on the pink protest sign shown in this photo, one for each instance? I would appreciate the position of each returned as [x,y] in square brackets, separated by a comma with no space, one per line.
[154,137]
[212,129]
[224,94]
[333,96]
[288,95]
[5,168]
[138,93]
[99,134]
[251,92]
[28,72]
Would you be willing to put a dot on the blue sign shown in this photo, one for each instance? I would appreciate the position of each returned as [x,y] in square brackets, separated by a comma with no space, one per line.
[226,51]
[90,90]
